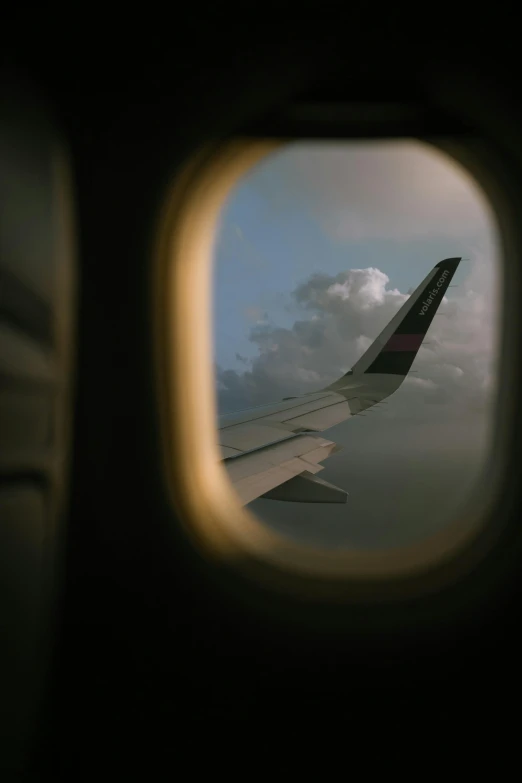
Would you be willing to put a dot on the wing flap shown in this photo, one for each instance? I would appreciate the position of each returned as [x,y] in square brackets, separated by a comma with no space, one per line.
[256,473]
[307,488]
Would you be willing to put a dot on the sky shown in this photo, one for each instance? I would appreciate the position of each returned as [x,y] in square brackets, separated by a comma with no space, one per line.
[317,247]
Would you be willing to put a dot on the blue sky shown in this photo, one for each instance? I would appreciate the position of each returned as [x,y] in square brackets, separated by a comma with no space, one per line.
[270,240]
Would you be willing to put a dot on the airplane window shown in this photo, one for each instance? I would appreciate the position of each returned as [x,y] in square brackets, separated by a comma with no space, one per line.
[356,291]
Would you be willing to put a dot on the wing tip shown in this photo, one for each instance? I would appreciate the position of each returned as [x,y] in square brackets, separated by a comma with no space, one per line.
[449,263]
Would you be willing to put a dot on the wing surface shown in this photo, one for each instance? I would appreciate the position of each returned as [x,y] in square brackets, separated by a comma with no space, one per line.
[272,451]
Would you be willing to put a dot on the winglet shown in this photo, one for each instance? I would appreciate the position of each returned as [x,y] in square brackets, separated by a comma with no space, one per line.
[395,349]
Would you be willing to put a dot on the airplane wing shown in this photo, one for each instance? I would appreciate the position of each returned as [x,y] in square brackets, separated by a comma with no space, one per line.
[272,451]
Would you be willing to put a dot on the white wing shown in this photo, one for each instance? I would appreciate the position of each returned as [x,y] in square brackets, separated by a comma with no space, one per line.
[271,451]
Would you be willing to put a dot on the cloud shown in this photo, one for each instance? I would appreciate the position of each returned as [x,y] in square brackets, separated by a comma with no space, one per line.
[396,191]
[423,383]
[253,313]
